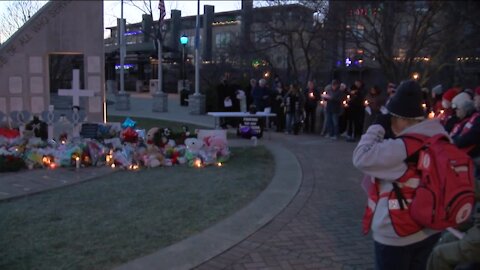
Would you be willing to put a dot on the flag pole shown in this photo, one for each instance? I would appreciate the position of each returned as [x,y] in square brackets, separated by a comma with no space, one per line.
[161,7]
[122,51]
[197,45]
[160,68]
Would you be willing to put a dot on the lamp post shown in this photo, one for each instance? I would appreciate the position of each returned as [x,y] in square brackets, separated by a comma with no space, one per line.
[183,92]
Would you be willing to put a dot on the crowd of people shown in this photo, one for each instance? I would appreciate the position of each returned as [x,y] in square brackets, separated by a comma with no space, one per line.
[376,118]
[385,156]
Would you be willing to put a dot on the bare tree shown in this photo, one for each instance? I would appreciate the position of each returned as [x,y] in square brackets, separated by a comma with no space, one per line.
[405,37]
[291,32]
[15,14]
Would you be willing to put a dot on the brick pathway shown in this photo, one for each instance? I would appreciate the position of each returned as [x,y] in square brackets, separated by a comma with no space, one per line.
[321,228]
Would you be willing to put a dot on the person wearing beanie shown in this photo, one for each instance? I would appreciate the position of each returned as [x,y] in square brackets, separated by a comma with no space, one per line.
[383,163]
[463,253]
[447,98]
[466,134]
[447,117]
[463,111]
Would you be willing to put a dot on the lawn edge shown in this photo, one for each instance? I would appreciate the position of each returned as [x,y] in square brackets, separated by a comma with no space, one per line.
[211,242]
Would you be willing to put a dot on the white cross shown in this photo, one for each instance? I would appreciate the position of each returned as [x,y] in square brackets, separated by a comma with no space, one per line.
[75,92]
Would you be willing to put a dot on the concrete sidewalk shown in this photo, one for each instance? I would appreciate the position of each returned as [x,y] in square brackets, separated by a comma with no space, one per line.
[141,106]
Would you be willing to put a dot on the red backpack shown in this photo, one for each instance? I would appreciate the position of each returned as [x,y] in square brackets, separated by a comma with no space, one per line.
[445,196]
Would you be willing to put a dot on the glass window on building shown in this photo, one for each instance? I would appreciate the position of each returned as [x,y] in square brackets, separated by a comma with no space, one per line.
[222,40]
[358,31]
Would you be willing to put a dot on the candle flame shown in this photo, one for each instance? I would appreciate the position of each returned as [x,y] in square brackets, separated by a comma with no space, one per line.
[113,166]
[366,102]
[219,164]
[198,163]
[431,115]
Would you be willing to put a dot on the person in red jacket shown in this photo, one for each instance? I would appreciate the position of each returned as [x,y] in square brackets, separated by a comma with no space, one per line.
[398,245]
[448,118]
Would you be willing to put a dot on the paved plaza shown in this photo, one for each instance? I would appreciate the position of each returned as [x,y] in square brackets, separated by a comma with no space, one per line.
[308,218]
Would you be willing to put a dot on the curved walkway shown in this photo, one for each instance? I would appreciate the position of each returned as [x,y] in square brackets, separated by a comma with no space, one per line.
[320,228]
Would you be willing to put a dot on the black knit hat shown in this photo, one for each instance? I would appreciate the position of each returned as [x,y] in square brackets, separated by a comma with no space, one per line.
[407,101]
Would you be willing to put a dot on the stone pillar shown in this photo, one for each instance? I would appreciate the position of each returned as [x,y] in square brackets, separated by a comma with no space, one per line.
[111,86]
[122,102]
[208,16]
[175,27]
[160,102]
[147,22]
[197,104]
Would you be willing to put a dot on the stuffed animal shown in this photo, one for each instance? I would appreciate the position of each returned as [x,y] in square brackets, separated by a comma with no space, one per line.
[193,148]
[153,156]
[217,144]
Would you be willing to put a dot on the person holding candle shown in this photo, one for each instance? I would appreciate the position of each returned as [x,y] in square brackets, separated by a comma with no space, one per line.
[373,105]
[278,106]
[384,162]
[355,111]
[294,103]
[312,96]
[334,98]
[448,117]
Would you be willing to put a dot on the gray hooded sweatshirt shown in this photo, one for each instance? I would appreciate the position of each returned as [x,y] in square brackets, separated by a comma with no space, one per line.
[384,160]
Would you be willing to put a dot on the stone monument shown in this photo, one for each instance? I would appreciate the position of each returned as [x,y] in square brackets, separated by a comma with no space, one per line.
[58,28]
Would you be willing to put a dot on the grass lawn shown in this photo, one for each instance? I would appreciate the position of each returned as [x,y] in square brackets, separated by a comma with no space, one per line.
[108,221]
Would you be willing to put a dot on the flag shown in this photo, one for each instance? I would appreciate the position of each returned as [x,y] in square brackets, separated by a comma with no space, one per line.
[163,13]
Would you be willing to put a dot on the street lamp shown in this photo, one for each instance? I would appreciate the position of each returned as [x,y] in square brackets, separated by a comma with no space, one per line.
[183,93]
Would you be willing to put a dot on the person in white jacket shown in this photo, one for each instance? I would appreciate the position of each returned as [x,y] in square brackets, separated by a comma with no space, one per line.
[384,161]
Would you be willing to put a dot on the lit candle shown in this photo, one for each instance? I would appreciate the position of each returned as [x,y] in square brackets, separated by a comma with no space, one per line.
[219,164]
[311,95]
[198,163]
[113,166]
[424,106]
[46,161]
[441,111]
[348,97]
[365,103]
[108,159]
[322,102]
[345,103]
[431,115]
[77,162]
